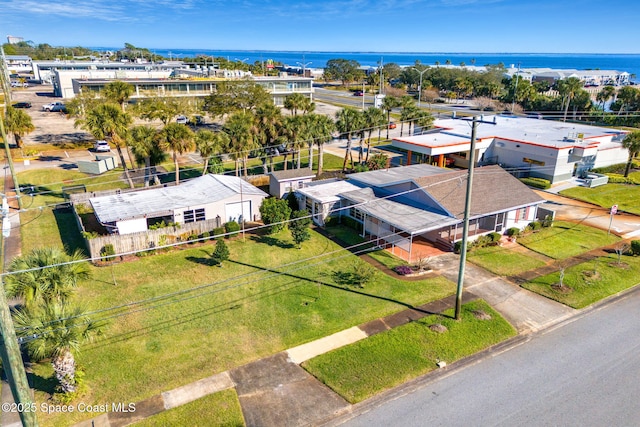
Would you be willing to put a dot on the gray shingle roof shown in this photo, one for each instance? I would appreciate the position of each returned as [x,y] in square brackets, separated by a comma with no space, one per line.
[494,190]
[196,192]
[293,173]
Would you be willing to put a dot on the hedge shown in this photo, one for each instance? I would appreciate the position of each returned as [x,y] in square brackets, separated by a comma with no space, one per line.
[536,182]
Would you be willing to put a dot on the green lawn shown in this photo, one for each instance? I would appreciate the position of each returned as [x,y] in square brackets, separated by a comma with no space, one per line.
[239,313]
[585,287]
[623,195]
[566,239]
[218,409]
[385,360]
[503,261]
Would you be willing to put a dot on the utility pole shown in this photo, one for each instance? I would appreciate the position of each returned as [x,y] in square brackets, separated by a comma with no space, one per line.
[4,79]
[515,90]
[467,211]
[9,348]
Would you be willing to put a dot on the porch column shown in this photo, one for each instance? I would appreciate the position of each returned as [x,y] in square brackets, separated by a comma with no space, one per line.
[409,154]
[441,160]
[410,247]
[364,225]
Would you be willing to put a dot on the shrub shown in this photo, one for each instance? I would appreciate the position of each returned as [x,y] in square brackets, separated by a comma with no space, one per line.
[635,247]
[495,237]
[513,231]
[536,182]
[331,221]
[192,237]
[83,209]
[107,252]
[205,235]
[231,227]
[547,221]
[535,225]
[218,231]
[275,212]
[89,235]
[457,246]
[615,178]
[482,241]
[403,270]
[352,223]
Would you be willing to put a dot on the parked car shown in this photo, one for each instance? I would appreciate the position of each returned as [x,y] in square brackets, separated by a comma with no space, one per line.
[182,120]
[101,146]
[392,125]
[54,106]
[22,105]
[358,93]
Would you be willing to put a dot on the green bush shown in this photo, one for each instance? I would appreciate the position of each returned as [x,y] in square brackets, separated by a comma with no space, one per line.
[547,221]
[457,246]
[635,247]
[513,231]
[352,223]
[482,241]
[615,178]
[535,225]
[89,235]
[231,227]
[536,182]
[331,221]
[205,235]
[495,237]
[82,209]
[218,231]
[107,252]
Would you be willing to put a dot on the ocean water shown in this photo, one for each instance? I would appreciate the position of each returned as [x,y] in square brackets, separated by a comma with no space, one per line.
[619,62]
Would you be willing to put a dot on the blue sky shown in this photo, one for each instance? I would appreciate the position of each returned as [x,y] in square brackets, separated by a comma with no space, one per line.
[549,26]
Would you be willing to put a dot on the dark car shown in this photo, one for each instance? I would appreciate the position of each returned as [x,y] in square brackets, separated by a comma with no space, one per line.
[358,93]
[22,105]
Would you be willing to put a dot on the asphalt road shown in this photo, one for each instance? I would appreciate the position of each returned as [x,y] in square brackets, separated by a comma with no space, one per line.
[584,373]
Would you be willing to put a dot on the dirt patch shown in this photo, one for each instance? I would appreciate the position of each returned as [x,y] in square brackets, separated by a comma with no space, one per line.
[622,265]
[438,328]
[591,275]
[481,315]
[563,289]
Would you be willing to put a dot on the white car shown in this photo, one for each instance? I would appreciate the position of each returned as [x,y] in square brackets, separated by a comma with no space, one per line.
[101,146]
[182,120]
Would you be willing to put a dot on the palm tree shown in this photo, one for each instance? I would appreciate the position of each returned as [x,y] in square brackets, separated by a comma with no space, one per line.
[348,122]
[322,128]
[45,275]
[269,122]
[568,88]
[118,92]
[240,129]
[388,104]
[178,139]
[19,123]
[373,118]
[605,94]
[108,121]
[210,144]
[56,331]
[143,141]
[422,119]
[298,132]
[409,109]
[295,102]
[632,143]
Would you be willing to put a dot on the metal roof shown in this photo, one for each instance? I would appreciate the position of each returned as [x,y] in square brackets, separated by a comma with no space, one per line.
[401,216]
[390,176]
[158,201]
[326,193]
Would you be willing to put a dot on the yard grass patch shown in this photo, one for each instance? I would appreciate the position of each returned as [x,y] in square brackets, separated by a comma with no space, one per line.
[180,318]
[217,409]
[589,282]
[503,261]
[624,195]
[566,239]
[368,367]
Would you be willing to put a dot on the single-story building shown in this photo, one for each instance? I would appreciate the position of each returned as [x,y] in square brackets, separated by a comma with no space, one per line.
[282,182]
[423,204]
[227,198]
[552,150]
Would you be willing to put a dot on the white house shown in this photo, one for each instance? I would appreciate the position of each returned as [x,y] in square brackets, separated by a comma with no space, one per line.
[226,198]
[530,147]
[282,182]
[407,207]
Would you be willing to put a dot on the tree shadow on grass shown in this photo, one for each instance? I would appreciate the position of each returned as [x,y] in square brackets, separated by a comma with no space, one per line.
[44,384]
[205,260]
[69,232]
[272,241]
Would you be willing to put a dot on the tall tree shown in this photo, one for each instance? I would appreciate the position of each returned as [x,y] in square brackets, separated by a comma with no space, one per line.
[568,88]
[269,122]
[604,95]
[632,143]
[388,104]
[373,119]
[348,123]
[345,70]
[298,102]
[408,110]
[178,139]
[45,275]
[164,109]
[322,128]
[56,331]
[241,130]
[298,132]
[236,95]
[18,123]
[107,121]
[118,92]
[299,227]
[144,143]
[210,144]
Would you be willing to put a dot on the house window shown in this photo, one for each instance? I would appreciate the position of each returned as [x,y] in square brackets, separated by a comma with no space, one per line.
[356,214]
[522,214]
[194,215]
